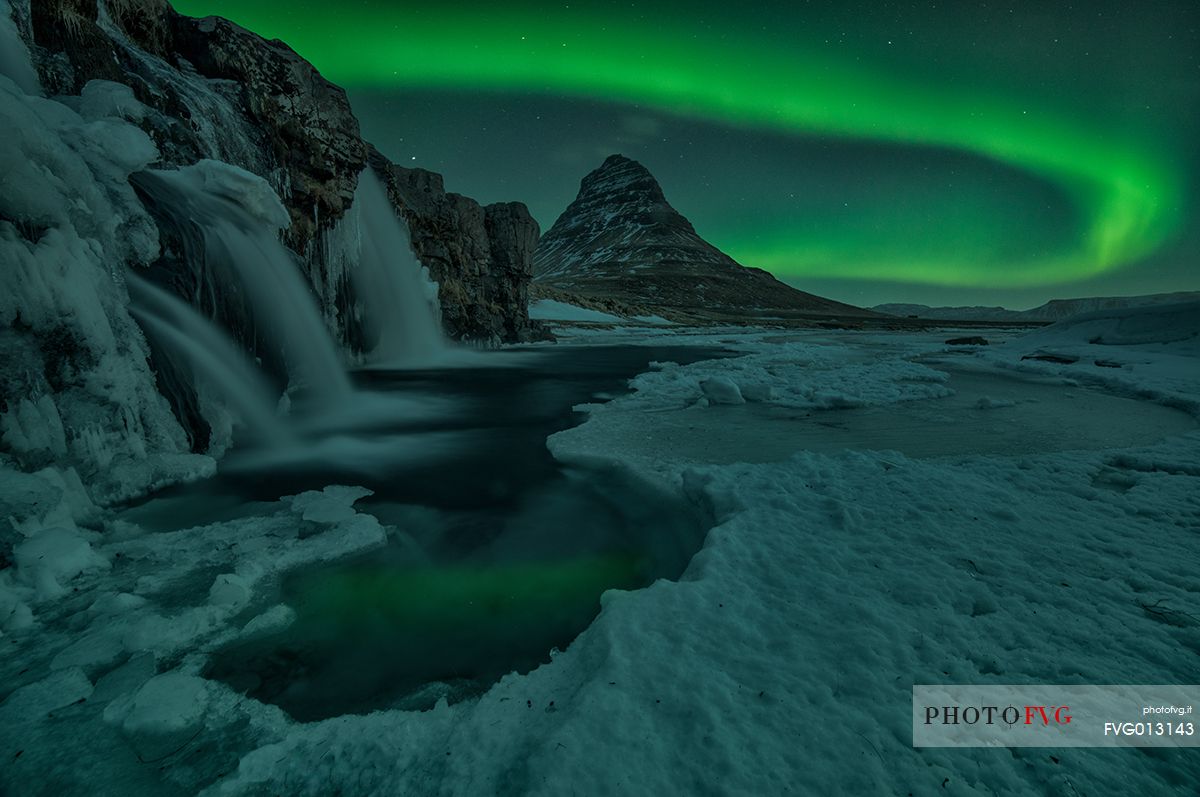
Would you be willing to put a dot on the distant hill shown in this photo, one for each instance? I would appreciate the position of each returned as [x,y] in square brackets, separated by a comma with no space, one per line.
[1053,310]
[621,240]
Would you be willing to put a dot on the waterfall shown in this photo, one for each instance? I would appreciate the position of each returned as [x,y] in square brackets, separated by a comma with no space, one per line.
[400,300]
[225,221]
[213,356]
[238,218]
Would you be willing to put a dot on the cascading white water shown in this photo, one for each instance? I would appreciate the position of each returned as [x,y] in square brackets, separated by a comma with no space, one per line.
[240,217]
[213,356]
[399,298]
[228,221]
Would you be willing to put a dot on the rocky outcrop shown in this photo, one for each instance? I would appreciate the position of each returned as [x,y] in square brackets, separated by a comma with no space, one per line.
[216,90]
[137,85]
[620,239]
[219,91]
[481,257]
[513,236]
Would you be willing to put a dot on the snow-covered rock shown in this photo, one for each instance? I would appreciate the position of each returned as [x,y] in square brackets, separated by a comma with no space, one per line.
[52,557]
[333,504]
[230,590]
[166,712]
[721,390]
[248,191]
[74,362]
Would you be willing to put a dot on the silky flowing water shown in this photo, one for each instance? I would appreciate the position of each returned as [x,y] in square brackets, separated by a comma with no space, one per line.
[500,552]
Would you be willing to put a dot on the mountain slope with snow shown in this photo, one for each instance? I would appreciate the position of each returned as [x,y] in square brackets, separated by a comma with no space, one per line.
[621,239]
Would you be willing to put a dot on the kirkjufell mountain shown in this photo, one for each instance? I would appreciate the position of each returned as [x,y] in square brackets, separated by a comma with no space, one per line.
[622,241]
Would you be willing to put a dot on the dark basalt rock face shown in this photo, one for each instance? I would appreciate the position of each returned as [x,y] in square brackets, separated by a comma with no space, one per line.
[219,91]
[481,257]
[621,240]
[211,89]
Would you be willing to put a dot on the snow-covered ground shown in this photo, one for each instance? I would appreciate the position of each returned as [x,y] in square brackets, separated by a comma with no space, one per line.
[781,662]
[552,310]
[556,311]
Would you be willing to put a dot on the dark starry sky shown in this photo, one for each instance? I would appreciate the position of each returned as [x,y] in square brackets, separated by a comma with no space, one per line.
[869,151]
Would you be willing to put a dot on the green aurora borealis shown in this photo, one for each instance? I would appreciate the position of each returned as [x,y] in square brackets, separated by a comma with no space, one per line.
[1121,179]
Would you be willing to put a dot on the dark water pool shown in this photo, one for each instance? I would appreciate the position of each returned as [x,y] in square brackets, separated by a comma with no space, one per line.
[469,597]
[456,438]
[501,552]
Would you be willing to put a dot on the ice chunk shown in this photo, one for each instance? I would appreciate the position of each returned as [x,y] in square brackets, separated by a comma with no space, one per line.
[251,192]
[97,649]
[104,99]
[166,712]
[74,503]
[125,679]
[52,558]
[230,590]
[721,390]
[334,504]
[33,702]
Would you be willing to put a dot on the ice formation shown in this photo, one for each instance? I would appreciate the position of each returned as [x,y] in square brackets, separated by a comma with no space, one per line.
[80,393]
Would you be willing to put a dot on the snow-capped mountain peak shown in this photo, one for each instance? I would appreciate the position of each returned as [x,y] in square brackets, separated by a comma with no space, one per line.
[621,239]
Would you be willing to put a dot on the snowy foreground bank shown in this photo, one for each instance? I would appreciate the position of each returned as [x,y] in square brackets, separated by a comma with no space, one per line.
[781,662]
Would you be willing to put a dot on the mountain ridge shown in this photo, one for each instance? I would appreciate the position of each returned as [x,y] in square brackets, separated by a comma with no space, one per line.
[620,239]
[1053,310]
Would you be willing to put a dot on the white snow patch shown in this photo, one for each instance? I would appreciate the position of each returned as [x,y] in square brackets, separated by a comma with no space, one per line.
[50,559]
[333,504]
[163,714]
[244,189]
[551,310]
[721,390]
[229,589]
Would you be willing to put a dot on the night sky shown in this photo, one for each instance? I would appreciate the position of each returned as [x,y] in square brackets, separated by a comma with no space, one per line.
[939,152]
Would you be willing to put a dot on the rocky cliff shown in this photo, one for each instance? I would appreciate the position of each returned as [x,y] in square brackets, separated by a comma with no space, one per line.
[481,257]
[215,90]
[208,89]
[95,94]
[621,240]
